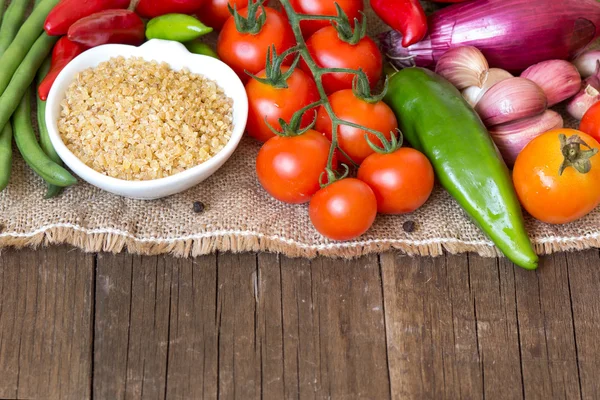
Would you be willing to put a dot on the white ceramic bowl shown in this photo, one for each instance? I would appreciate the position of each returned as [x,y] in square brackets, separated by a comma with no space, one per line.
[178,57]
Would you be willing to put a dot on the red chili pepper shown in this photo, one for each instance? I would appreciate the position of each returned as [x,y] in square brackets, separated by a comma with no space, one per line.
[63,53]
[67,12]
[405,16]
[155,8]
[110,26]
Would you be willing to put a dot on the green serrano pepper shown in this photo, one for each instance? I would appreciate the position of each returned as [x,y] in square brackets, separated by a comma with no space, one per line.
[177,27]
[436,120]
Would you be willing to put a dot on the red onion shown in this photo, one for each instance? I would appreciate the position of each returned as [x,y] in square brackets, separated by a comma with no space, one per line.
[511,34]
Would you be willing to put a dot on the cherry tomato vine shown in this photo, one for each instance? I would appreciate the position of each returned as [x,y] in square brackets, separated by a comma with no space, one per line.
[361,85]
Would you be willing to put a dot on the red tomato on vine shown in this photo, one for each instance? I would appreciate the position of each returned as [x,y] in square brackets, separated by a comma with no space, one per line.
[343,210]
[352,8]
[402,180]
[271,103]
[247,50]
[289,168]
[348,107]
[328,50]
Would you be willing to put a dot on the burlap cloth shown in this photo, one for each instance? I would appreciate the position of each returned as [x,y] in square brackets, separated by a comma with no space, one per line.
[241,216]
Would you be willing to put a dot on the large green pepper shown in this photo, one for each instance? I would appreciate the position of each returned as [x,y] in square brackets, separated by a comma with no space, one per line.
[436,120]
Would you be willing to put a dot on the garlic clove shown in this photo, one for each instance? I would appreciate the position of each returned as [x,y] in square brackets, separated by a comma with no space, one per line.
[474,93]
[586,98]
[586,63]
[510,100]
[558,79]
[463,66]
[511,138]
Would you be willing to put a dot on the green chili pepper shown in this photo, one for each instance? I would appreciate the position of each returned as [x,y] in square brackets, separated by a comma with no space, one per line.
[177,27]
[436,120]
[201,48]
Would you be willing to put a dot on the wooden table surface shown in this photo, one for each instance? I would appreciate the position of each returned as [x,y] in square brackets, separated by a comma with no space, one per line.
[79,326]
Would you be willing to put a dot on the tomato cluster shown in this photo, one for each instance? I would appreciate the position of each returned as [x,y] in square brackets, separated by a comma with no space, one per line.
[291,112]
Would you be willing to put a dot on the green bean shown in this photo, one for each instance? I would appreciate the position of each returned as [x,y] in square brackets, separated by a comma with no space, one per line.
[45,142]
[26,38]
[12,21]
[5,156]
[24,76]
[31,151]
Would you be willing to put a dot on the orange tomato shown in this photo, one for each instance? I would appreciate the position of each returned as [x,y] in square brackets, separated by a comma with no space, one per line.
[554,188]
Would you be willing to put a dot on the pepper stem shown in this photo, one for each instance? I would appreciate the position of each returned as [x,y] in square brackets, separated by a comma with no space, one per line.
[574,155]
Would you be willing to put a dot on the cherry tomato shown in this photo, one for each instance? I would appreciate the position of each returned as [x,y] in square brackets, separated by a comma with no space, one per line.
[552,195]
[289,168]
[329,51]
[590,123]
[244,51]
[273,103]
[348,107]
[402,181]
[214,13]
[343,210]
[352,8]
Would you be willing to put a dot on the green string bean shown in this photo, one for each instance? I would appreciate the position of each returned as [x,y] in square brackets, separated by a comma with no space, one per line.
[16,54]
[31,151]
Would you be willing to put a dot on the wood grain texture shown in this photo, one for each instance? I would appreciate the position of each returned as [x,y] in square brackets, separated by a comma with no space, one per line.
[249,326]
[46,309]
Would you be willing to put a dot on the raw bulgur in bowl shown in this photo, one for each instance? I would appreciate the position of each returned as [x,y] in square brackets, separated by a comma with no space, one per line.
[139,120]
[148,121]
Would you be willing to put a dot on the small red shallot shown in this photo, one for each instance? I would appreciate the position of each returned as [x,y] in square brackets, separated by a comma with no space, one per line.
[587,96]
[510,100]
[511,138]
[474,93]
[558,79]
[586,63]
[463,66]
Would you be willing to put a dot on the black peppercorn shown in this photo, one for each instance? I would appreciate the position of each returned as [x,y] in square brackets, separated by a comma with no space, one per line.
[198,207]
[409,226]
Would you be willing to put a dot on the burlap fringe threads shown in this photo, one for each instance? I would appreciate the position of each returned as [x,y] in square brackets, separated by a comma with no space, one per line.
[253,242]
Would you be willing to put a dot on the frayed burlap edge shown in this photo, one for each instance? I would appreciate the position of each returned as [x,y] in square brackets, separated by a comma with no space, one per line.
[237,241]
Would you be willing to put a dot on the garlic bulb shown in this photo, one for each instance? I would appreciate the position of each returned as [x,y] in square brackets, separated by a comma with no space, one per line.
[474,93]
[586,63]
[463,67]
[510,100]
[586,98]
[558,79]
[511,138]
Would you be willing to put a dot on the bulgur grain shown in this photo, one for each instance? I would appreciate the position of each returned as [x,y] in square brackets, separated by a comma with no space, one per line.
[138,120]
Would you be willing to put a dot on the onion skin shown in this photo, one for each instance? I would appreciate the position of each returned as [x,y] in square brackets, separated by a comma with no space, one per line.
[511,34]
[558,79]
[512,138]
[510,100]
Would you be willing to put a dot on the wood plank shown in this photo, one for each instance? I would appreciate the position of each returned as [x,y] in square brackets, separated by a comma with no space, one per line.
[334,339]
[112,324]
[149,328]
[548,354]
[193,340]
[430,328]
[584,277]
[46,306]
[493,288]
[239,363]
